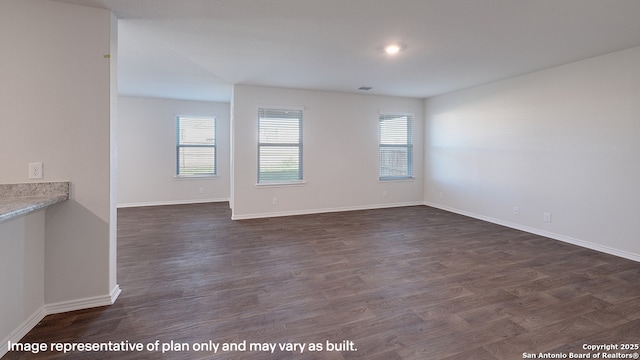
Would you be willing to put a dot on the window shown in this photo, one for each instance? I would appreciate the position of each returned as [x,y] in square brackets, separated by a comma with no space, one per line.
[195,146]
[279,145]
[396,147]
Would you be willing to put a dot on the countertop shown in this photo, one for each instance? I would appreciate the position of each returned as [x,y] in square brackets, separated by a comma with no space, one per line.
[21,199]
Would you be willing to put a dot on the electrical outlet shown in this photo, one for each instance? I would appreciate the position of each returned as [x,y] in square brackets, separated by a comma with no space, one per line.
[516,210]
[274,201]
[547,217]
[384,193]
[35,170]
[201,190]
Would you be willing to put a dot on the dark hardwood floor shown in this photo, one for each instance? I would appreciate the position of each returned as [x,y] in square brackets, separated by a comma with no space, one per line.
[402,283]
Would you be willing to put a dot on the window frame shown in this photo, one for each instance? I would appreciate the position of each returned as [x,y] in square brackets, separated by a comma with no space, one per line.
[214,120]
[408,145]
[263,112]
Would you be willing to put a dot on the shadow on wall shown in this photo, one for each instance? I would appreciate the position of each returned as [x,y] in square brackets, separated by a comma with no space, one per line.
[76,253]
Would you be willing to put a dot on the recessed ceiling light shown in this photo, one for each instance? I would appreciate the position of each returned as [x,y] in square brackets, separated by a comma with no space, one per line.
[365,88]
[392,49]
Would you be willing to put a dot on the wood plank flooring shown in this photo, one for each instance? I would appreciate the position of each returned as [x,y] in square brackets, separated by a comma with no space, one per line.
[403,283]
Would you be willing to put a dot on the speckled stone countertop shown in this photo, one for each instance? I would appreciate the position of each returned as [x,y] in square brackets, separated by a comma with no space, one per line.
[22,199]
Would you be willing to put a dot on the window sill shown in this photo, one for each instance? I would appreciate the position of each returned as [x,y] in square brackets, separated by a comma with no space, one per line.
[195,177]
[280,184]
[397,179]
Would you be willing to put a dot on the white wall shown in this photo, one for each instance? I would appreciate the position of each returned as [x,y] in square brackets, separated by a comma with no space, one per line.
[147,153]
[21,275]
[340,150]
[564,140]
[55,108]
[113,153]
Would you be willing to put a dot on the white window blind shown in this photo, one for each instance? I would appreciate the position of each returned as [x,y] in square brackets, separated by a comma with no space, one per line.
[396,146]
[195,146]
[279,145]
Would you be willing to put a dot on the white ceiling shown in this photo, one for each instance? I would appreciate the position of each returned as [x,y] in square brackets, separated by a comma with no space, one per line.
[197,49]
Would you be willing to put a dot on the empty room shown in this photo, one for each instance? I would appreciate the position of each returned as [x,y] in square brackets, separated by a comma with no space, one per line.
[362,179]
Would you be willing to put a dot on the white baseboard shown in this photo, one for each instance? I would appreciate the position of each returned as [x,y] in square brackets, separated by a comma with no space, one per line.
[532,230]
[115,292]
[171,202]
[56,308]
[86,303]
[322,210]
[22,330]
